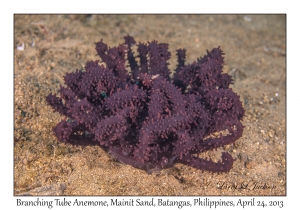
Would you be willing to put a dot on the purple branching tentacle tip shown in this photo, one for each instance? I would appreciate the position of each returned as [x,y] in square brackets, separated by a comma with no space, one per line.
[144,117]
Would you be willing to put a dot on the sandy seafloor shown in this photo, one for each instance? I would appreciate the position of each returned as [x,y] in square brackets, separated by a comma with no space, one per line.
[48,46]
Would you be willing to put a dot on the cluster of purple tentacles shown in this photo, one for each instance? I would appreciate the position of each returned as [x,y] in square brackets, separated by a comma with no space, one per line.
[144,117]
